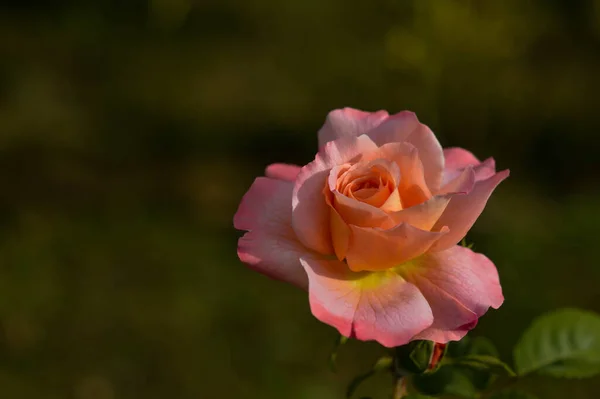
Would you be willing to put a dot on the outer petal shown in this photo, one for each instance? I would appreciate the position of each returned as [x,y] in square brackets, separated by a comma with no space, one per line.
[378,249]
[395,129]
[460,286]
[463,210]
[443,336]
[349,122]
[367,306]
[457,159]
[310,214]
[270,246]
[424,216]
[485,169]
[462,183]
[282,171]
[405,126]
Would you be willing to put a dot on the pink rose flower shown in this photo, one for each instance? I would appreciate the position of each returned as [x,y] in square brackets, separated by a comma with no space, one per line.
[370,228]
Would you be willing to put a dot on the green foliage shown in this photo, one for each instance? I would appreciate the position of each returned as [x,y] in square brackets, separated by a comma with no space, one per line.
[383,364]
[469,367]
[485,363]
[512,394]
[340,340]
[480,377]
[563,343]
[464,243]
[413,358]
[356,382]
[459,348]
[471,346]
[463,377]
[447,380]
[483,346]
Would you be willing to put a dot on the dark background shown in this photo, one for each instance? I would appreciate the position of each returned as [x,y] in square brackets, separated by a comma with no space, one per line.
[129,130]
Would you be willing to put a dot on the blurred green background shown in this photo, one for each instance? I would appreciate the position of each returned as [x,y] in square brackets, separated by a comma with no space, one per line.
[129,130]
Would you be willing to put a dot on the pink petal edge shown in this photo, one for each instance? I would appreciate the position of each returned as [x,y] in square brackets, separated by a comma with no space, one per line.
[282,171]
[460,286]
[270,247]
[405,127]
[349,122]
[463,210]
[390,313]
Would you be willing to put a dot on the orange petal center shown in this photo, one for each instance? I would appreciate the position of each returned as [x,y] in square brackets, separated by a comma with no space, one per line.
[373,183]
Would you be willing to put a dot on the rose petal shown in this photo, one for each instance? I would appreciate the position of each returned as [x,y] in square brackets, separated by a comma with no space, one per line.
[340,234]
[351,210]
[358,213]
[462,183]
[430,154]
[342,177]
[348,122]
[395,129]
[425,215]
[405,127]
[377,249]
[367,306]
[270,246]
[282,171]
[485,170]
[369,166]
[463,210]
[457,159]
[310,212]
[460,286]
[412,186]
[444,336]
[393,203]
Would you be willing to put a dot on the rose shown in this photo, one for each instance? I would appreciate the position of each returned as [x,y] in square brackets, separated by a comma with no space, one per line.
[370,228]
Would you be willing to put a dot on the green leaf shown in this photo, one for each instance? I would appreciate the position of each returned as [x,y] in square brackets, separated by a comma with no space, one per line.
[413,358]
[483,346]
[447,380]
[471,346]
[463,242]
[340,340]
[356,381]
[564,343]
[481,379]
[485,363]
[459,348]
[572,369]
[383,364]
[512,394]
